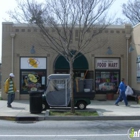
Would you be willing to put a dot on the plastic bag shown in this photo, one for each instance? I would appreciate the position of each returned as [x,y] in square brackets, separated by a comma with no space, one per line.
[128,91]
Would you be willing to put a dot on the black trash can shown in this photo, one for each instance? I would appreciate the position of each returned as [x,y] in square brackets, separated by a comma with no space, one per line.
[35,101]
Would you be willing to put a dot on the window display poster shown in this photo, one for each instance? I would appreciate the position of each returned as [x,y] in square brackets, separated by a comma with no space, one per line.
[106,81]
[33,63]
[32,80]
[43,80]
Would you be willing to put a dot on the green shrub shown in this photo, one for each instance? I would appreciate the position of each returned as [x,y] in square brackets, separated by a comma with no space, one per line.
[77,113]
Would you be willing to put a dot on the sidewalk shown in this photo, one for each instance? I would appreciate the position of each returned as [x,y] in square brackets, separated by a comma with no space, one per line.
[106,110]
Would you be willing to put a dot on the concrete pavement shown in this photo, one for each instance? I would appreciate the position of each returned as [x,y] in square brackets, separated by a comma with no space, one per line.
[106,109]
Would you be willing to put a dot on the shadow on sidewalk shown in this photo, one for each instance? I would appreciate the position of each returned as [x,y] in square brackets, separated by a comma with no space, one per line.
[18,108]
[22,101]
[134,106]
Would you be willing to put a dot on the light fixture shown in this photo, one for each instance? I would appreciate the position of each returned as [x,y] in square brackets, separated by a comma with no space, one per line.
[131,48]
[32,51]
[109,51]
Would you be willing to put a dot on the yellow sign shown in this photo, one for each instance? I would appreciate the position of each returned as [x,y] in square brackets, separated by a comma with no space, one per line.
[33,62]
[32,78]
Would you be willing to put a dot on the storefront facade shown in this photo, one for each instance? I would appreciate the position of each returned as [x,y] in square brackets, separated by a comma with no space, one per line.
[134,59]
[31,69]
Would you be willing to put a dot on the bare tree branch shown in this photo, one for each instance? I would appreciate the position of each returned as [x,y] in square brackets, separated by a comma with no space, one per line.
[132,11]
[85,19]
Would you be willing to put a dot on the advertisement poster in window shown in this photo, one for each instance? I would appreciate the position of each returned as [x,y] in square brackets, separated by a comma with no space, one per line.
[32,74]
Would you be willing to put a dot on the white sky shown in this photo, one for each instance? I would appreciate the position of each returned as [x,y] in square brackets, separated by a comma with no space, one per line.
[7,5]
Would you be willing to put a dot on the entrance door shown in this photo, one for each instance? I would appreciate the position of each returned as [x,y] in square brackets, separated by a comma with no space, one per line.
[80,65]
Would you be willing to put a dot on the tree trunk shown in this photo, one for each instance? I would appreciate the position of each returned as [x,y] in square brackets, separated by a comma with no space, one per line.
[71,86]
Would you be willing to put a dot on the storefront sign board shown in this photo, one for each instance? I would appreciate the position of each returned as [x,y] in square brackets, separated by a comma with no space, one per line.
[32,63]
[107,63]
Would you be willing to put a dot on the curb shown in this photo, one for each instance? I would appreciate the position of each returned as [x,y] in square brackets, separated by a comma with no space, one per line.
[8,118]
[69,118]
[102,118]
[22,118]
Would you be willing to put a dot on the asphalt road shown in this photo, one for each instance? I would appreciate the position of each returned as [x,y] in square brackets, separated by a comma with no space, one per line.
[67,130]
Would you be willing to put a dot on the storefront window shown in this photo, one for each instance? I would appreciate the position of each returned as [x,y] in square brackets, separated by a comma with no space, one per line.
[138,68]
[107,80]
[107,74]
[32,80]
[32,74]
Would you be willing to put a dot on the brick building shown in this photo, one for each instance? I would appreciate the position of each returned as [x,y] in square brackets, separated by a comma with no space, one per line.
[21,50]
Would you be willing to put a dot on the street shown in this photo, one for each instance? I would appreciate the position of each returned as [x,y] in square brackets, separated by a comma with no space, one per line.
[67,130]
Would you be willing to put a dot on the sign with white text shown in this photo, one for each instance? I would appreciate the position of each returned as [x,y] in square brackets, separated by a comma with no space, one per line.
[107,63]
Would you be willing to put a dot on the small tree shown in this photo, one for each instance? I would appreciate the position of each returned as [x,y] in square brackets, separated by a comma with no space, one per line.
[132,11]
[65,17]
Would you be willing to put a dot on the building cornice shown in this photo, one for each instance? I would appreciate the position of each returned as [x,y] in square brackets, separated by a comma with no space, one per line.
[33,25]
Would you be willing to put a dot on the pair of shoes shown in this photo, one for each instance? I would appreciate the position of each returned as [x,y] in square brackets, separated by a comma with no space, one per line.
[127,105]
[9,106]
[116,104]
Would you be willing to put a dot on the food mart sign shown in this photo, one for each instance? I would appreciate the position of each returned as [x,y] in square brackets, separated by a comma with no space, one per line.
[107,63]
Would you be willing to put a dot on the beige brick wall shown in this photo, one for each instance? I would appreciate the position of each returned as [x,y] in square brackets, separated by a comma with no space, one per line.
[25,37]
[133,57]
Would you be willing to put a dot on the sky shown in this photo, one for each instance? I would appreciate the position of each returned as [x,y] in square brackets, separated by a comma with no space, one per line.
[7,5]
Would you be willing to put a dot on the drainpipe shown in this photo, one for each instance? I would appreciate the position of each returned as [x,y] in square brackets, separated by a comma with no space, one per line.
[12,36]
[127,57]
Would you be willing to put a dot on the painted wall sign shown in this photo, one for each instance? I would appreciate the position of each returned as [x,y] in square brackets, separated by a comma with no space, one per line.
[32,63]
[107,63]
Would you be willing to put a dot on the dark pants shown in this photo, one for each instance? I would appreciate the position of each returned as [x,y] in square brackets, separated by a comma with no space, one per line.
[10,99]
[121,96]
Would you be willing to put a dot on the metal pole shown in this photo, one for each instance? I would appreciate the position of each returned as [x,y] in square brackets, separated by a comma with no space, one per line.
[66,89]
[127,62]
[12,35]
[127,57]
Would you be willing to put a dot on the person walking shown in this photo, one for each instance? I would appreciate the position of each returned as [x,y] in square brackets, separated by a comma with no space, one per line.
[121,89]
[10,89]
